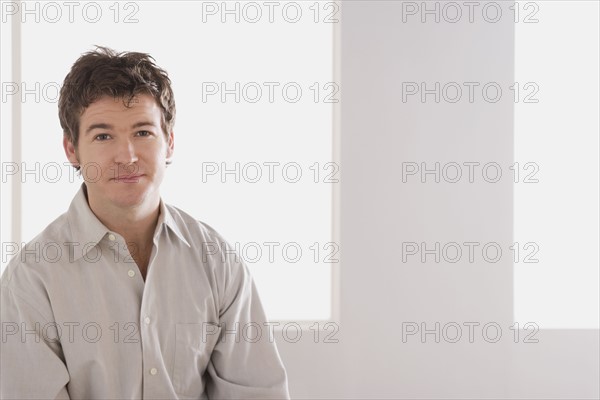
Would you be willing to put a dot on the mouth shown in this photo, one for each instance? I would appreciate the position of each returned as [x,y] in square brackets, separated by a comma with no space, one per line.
[129,178]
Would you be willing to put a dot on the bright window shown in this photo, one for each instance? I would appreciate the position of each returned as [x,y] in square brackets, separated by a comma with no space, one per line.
[253,157]
[558,137]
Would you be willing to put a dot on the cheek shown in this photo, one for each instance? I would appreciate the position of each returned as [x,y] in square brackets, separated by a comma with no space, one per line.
[160,155]
[93,173]
[98,166]
[154,163]
[93,156]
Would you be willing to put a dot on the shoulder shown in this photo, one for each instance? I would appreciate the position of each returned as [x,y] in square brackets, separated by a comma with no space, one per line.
[46,250]
[31,269]
[216,252]
[197,230]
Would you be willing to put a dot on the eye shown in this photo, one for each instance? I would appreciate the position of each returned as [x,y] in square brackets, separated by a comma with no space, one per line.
[144,133]
[102,137]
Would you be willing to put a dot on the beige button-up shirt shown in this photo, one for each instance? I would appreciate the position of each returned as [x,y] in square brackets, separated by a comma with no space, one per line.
[78,320]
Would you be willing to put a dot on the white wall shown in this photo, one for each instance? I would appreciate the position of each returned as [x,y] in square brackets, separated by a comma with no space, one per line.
[378,212]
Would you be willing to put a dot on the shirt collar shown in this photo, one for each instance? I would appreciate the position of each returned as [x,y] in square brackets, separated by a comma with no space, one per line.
[87,230]
[167,219]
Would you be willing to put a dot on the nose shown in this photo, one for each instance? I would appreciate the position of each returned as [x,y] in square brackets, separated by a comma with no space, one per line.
[126,153]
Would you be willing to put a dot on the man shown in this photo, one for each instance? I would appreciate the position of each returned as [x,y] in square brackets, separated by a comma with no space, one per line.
[137,299]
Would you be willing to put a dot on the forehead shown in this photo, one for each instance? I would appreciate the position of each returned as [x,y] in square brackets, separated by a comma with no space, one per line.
[113,108]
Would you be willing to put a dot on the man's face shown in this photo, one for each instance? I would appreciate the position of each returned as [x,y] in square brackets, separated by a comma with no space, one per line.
[122,151]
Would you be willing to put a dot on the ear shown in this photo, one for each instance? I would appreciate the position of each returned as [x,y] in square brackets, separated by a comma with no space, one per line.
[70,151]
[171,145]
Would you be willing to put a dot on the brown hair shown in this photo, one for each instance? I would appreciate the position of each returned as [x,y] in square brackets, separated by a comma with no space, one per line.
[104,72]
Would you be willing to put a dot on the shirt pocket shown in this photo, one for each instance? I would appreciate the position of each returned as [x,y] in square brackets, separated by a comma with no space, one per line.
[194,343]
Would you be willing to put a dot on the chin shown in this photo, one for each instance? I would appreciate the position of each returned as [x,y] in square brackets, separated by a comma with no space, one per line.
[124,202]
[130,195]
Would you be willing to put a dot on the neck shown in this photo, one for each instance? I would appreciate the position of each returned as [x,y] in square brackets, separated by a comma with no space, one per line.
[136,224]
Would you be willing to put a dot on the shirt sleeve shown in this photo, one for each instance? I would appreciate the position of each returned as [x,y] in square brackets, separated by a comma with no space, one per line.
[245,363]
[31,360]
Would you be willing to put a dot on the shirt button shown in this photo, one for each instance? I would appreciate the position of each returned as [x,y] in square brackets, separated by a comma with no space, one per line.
[147,320]
[111,237]
[153,371]
[131,273]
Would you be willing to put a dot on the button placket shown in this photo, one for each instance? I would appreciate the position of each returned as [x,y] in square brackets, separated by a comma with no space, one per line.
[118,247]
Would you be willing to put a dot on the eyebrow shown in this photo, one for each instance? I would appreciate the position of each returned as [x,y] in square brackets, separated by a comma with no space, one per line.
[108,126]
